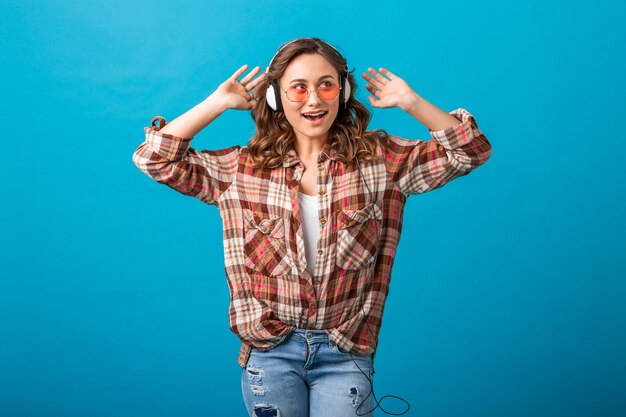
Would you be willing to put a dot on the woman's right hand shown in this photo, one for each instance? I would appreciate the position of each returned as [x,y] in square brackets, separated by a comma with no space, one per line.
[236,94]
[231,94]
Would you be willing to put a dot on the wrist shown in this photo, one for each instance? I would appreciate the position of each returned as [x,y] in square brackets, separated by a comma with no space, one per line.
[215,102]
[411,102]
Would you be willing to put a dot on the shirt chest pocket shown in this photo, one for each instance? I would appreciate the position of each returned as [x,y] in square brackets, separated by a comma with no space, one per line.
[358,234]
[264,244]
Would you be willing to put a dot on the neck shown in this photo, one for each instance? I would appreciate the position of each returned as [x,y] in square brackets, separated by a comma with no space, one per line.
[309,148]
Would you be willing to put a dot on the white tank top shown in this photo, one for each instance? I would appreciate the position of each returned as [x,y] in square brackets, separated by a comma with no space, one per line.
[310,228]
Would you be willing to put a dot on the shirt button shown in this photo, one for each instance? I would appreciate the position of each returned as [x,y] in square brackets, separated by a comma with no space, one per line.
[320,252]
[323,221]
[322,191]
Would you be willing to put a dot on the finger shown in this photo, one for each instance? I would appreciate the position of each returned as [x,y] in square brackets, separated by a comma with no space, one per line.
[237,73]
[378,76]
[388,73]
[258,80]
[372,101]
[248,77]
[372,80]
[368,78]
[372,90]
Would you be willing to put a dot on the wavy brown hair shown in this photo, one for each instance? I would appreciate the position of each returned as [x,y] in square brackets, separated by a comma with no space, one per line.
[274,136]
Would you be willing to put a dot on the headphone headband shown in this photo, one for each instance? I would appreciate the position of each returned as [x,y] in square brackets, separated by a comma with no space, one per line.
[267,70]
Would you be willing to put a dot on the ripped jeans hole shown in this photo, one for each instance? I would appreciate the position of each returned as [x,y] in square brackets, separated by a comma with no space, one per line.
[354,394]
[254,373]
[266,410]
[255,379]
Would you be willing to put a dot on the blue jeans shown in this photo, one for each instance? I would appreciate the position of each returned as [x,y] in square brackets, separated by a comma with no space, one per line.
[307,375]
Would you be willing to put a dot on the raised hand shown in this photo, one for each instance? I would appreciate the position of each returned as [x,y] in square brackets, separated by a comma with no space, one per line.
[388,89]
[236,94]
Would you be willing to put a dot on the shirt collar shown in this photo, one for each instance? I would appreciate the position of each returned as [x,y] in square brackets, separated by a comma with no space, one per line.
[326,153]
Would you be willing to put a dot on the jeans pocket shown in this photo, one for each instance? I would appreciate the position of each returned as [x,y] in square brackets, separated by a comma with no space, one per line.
[337,349]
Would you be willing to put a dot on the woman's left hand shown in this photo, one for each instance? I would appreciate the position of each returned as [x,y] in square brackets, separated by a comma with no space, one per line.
[389,89]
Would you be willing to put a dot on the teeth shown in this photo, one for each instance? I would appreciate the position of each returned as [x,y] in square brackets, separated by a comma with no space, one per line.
[314,114]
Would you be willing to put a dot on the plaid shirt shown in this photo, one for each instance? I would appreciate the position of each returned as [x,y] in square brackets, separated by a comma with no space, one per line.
[360,214]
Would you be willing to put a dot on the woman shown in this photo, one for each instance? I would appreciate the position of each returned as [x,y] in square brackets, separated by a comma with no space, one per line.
[312,214]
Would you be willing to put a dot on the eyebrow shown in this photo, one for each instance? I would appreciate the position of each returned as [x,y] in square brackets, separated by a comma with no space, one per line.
[320,79]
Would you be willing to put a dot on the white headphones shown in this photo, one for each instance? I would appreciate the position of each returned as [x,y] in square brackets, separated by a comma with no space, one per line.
[272,95]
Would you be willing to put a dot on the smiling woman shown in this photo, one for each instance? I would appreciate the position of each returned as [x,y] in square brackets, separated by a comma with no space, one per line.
[309,76]
[312,214]
[310,116]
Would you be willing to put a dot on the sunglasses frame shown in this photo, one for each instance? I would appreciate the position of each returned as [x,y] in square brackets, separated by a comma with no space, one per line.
[308,93]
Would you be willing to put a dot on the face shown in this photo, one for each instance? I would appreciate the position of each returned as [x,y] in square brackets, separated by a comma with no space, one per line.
[310,71]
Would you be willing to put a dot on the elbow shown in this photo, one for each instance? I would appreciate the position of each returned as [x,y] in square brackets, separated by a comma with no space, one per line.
[151,164]
[473,155]
[136,160]
[140,158]
[481,151]
[486,150]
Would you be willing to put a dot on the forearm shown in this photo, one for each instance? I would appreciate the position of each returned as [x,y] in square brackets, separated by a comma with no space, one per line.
[427,113]
[195,119]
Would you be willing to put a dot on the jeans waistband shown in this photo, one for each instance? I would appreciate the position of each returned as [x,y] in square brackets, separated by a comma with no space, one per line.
[311,336]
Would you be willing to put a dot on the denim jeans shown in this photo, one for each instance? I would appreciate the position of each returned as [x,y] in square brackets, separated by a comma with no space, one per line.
[307,375]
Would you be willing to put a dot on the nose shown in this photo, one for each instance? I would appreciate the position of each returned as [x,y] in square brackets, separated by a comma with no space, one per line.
[313,98]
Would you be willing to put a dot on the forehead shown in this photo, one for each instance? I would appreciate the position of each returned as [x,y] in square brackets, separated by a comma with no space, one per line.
[308,67]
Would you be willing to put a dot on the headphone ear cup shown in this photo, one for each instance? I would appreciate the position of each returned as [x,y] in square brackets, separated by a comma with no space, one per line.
[272,97]
[346,91]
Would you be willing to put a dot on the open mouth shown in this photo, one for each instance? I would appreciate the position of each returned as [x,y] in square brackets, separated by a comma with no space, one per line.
[314,117]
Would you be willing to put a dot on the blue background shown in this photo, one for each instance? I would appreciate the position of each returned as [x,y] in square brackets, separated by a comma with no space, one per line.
[507,296]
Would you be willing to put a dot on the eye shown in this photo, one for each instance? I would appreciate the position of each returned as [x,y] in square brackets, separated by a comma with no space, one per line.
[299,86]
[327,84]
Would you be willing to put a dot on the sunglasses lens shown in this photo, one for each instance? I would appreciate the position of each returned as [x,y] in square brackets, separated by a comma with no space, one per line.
[329,92]
[296,94]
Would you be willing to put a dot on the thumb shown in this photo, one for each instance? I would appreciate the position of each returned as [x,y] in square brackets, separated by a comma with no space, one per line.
[373,101]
